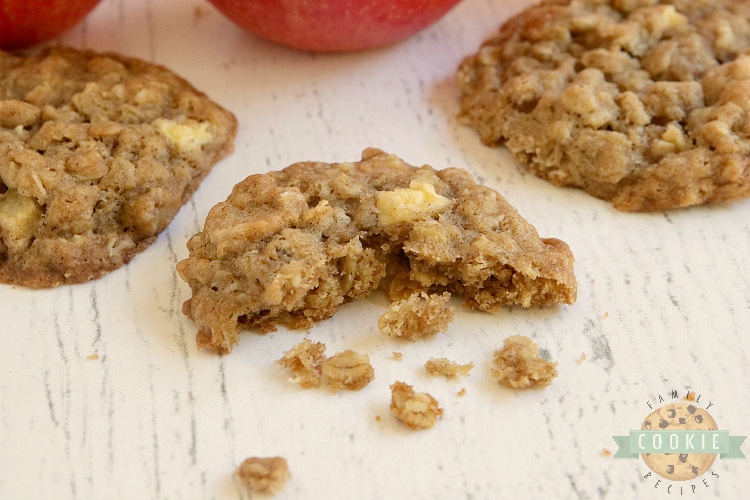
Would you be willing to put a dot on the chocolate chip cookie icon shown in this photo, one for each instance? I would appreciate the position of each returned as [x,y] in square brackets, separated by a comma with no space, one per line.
[682,416]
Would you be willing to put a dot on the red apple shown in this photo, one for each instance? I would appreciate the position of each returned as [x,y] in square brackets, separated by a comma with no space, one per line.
[334,25]
[28,22]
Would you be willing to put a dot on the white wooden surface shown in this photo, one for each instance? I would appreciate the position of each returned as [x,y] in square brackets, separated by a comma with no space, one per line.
[103,394]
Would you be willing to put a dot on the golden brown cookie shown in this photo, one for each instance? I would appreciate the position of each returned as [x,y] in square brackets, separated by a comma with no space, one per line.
[291,246]
[643,103]
[97,154]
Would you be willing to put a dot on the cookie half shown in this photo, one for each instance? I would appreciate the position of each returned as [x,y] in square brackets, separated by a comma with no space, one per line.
[97,154]
[291,246]
[643,103]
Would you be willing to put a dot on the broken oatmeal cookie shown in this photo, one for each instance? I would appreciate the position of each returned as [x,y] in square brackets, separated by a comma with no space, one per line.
[291,246]
[416,410]
[98,152]
[641,103]
[264,475]
[518,364]
[309,367]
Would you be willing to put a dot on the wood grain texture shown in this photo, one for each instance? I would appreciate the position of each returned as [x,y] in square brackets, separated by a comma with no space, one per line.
[103,393]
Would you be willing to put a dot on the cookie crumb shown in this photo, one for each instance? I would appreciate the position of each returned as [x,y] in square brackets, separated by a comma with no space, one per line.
[309,366]
[398,356]
[690,396]
[518,364]
[446,367]
[264,475]
[92,356]
[606,453]
[417,316]
[303,362]
[416,410]
[582,358]
[347,370]
[462,392]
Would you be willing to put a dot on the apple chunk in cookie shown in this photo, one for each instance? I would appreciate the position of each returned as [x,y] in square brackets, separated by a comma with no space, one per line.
[289,247]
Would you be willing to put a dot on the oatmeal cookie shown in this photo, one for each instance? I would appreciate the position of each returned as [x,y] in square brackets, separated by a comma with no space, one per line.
[97,154]
[291,246]
[643,103]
